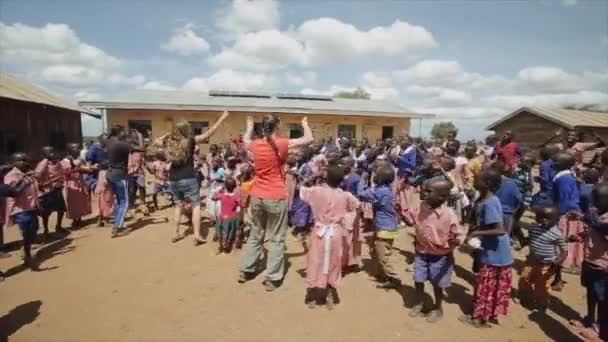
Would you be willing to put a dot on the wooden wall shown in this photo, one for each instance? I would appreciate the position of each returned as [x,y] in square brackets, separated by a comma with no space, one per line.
[27,127]
[531,130]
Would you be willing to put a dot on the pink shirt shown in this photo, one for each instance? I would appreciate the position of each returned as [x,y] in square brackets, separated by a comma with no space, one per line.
[136,163]
[27,199]
[230,205]
[596,251]
[328,205]
[47,170]
[433,229]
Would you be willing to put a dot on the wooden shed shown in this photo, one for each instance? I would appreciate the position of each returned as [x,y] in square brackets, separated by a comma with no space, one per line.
[532,126]
[33,118]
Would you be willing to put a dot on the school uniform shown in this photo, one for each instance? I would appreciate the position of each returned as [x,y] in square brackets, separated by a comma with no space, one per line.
[23,209]
[382,200]
[104,197]
[566,195]
[75,191]
[51,194]
[493,282]
[544,196]
[434,258]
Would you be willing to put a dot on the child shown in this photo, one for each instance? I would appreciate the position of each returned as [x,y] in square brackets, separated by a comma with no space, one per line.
[493,282]
[547,250]
[591,177]
[50,176]
[566,196]
[160,168]
[544,197]
[436,230]
[300,213]
[352,235]
[23,209]
[385,222]
[137,180]
[523,179]
[76,192]
[324,259]
[245,196]
[511,200]
[594,273]
[216,183]
[104,195]
[228,221]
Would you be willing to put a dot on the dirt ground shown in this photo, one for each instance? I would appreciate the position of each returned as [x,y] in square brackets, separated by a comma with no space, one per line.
[142,287]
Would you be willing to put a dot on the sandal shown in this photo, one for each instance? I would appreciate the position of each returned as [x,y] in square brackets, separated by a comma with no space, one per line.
[416,311]
[269,285]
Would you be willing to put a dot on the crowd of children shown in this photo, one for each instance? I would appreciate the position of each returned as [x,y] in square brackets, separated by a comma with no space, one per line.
[342,191]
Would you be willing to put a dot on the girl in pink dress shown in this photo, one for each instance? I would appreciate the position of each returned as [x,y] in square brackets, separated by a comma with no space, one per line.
[330,206]
[104,196]
[75,191]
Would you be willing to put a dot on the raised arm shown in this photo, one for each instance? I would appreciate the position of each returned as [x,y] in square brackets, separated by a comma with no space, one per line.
[203,137]
[247,137]
[557,134]
[306,139]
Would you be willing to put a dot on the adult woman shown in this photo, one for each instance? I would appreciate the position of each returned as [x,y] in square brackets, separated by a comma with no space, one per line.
[183,180]
[269,198]
[118,156]
[508,152]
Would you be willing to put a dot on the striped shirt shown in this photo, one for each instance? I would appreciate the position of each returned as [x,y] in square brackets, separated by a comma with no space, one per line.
[544,243]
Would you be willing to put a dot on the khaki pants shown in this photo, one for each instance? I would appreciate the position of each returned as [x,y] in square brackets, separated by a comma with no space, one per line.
[267,216]
[383,250]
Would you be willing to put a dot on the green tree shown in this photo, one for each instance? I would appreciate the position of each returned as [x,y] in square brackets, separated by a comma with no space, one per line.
[440,130]
[358,93]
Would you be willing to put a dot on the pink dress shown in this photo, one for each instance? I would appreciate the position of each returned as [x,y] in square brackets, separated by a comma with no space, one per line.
[104,196]
[324,259]
[46,171]
[27,199]
[75,190]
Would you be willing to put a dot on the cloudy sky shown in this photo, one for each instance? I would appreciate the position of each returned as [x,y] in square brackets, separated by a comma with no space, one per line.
[466,61]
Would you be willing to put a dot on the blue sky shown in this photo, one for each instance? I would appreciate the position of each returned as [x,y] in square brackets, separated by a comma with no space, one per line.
[467,61]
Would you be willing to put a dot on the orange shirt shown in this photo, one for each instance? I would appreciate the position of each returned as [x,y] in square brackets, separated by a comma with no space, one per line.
[269,179]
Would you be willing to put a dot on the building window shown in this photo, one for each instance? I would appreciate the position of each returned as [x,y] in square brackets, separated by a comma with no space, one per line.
[58,141]
[142,126]
[387,132]
[199,127]
[347,131]
[295,131]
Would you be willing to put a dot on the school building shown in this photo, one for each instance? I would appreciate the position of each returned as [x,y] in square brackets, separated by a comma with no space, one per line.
[153,113]
[32,118]
[532,126]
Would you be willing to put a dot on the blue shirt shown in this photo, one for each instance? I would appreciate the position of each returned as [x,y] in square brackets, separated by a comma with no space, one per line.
[96,154]
[495,250]
[566,194]
[546,177]
[509,196]
[586,197]
[383,201]
[407,161]
[351,183]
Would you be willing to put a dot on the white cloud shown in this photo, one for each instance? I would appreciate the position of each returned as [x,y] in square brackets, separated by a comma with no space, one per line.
[263,50]
[55,54]
[377,79]
[156,85]
[186,42]
[431,72]
[376,93]
[244,16]
[50,44]
[227,79]
[302,79]
[586,97]
[328,41]
[322,41]
[86,96]
[443,96]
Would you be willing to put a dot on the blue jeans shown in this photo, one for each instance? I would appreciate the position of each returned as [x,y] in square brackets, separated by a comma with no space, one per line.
[120,187]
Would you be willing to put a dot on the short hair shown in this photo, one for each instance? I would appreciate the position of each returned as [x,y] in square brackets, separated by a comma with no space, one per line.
[492,178]
[230,184]
[335,175]
[385,175]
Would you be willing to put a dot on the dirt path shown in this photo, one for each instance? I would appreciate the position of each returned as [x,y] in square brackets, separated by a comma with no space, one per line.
[143,288]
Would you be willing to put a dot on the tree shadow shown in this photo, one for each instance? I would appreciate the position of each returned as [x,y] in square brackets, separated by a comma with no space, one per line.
[552,328]
[18,317]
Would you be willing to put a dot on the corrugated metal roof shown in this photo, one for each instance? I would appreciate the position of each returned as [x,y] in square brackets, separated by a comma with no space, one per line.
[187,100]
[566,117]
[14,88]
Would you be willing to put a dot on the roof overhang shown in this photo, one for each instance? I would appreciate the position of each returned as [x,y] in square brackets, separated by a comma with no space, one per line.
[289,110]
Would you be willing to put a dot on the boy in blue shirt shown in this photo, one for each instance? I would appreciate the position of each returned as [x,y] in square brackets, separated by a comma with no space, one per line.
[382,199]
[567,198]
[544,197]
